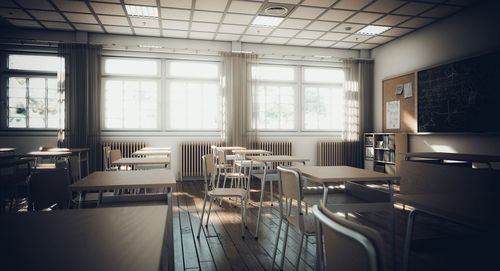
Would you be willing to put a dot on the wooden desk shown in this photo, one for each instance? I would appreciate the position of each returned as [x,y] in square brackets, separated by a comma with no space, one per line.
[254,152]
[230,148]
[267,160]
[156,149]
[7,149]
[152,152]
[441,156]
[134,161]
[78,152]
[46,154]
[121,238]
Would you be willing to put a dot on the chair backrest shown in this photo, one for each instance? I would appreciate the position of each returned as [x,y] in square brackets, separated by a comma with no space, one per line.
[46,188]
[105,156]
[221,157]
[208,170]
[350,246]
[114,155]
[291,183]
[74,168]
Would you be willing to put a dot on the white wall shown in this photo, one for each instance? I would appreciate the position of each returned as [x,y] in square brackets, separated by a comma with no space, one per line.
[467,33]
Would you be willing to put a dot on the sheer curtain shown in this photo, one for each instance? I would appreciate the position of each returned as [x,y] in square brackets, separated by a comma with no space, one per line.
[357,88]
[238,122]
[82,91]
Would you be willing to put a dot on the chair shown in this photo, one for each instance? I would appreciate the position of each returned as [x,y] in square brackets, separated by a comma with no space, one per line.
[212,192]
[105,157]
[224,169]
[48,188]
[113,156]
[348,245]
[290,186]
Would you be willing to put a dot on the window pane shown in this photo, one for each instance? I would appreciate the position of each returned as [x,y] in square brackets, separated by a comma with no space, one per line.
[131,66]
[275,107]
[193,69]
[36,122]
[37,87]
[323,75]
[323,108]
[34,63]
[17,122]
[273,73]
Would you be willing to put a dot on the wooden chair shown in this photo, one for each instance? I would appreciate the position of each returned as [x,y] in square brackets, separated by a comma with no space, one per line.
[224,169]
[290,186]
[75,169]
[347,245]
[48,188]
[213,192]
[105,158]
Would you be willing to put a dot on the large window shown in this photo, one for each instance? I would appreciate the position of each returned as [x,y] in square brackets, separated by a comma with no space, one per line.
[33,95]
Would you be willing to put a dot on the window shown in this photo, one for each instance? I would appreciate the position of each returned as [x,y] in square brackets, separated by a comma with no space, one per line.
[33,95]
[131,90]
[193,95]
[275,97]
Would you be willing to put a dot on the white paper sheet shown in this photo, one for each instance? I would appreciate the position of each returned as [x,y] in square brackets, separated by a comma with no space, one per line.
[407,90]
[392,115]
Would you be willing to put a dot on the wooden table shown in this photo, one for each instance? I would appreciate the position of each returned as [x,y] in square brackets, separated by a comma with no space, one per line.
[230,148]
[251,152]
[120,238]
[46,154]
[152,152]
[156,149]
[442,156]
[267,161]
[7,149]
[135,161]
[78,152]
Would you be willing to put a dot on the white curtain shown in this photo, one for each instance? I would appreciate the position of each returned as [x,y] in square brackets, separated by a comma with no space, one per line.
[238,122]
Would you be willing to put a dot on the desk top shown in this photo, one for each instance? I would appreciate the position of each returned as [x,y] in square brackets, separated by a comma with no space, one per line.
[455,156]
[101,180]
[66,149]
[152,152]
[279,158]
[156,149]
[48,153]
[142,161]
[230,148]
[7,149]
[121,238]
[251,152]
[342,173]
[9,162]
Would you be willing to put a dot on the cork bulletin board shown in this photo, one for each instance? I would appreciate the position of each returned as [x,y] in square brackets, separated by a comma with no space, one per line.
[394,91]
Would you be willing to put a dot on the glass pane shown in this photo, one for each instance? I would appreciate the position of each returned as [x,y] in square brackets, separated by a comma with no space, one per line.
[52,83]
[323,75]
[34,62]
[17,82]
[17,112]
[131,66]
[36,87]
[36,107]
[193,69]
[53,121]
[53,93]
[273,73]
[17,122]
[17,102]
[36,122]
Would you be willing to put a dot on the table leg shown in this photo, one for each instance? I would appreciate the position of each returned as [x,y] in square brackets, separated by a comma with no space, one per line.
[263,185]
[409,233]
[393,224]
[99,200]
[170,230]
[80,165]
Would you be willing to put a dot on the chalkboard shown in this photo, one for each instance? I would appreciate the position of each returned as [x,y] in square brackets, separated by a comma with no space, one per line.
[463,96]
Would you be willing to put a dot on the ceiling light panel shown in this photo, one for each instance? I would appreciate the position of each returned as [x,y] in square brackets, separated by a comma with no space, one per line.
[141,11]
[267,21]
[373,30]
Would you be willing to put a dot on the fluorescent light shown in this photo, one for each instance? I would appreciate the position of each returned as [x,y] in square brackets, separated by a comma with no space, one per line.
[373,30]
[267,21]
[141,11]
[150,46]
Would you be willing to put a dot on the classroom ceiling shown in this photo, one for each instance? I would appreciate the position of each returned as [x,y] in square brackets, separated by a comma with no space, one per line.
[315,23]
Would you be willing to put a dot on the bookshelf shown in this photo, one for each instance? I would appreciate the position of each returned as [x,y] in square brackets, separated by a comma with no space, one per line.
[384,152]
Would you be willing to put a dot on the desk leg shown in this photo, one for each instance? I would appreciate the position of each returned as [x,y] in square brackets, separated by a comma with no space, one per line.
[409,233]
[170,230]
[393,224]
[80,165]
[99,200]
[262,186]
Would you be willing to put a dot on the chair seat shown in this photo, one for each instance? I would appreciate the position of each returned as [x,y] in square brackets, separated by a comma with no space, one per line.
[309,223]
[224,166]
[227,192]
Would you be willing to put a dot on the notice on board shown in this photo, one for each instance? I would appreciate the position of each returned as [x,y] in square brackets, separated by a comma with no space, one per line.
[399,89]
[407,90]
[392,115]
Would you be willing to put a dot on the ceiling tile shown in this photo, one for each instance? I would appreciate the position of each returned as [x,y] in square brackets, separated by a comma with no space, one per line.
[147,31]
[175,14]
[343,45]
[227,37]
[364,17]
[417,22]
[75,6]
[144,22]
[318,3]
[397,31]
[379,39]
[80,18]
[365,46]
[205,27]
[237,19]
[321,43]
[175,33]
[141,2]
[118,29]
[214,5]
[391,20]
[57,25]
[253,30]
[413,8]
[357,38]
[321,25]
[171,24]
[384,5]
[35,4]
[336,15]
[88,27]
[305,34]
[112,9]
[274,40]
[294,23]
[352,4]
[207,16]
[113,20]
[233,29]
[285,1]
[299,42]
[348,28]
[201,35]
[47,15]
[14,13]
[280,32]
[8,3]
[24,23]
[333,36]
[244,7]
[441,11]
[176,3]
[254,39]
[306,12]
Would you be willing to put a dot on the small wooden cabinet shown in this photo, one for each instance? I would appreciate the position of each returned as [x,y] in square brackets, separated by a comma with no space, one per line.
[384,152]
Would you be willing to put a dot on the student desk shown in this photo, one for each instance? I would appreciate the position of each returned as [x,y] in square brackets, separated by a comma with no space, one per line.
[78,152]
[46,154]
[7,149]
[152,152]
[135,161]
[119,238]
[251,152]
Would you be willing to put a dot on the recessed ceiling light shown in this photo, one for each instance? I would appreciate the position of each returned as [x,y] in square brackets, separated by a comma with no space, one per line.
[267,21]
[141,11]
[276,10]
[373,30]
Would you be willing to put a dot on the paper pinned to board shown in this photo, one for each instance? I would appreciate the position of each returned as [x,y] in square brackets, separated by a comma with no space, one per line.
[392,115]
[399,89]
[408,90]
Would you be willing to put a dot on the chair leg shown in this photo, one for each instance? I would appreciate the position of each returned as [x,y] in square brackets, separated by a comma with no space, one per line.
[209,209]
[263,185]
[242,220]
[276,243]
[202,213]
[300,251]
[284,245]
[271,195]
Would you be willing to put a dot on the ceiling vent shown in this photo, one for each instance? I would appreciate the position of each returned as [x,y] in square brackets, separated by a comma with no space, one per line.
[278,10]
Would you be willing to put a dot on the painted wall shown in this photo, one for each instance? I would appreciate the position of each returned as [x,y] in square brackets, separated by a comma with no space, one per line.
[467,33]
